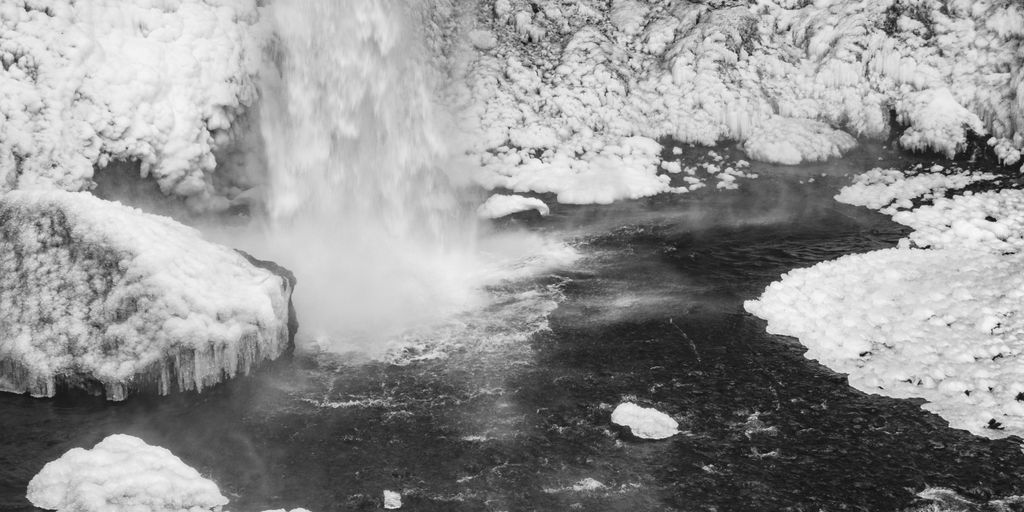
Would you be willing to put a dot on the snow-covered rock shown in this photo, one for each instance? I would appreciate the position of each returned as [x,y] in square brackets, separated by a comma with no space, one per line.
[105,297]
[85,83]
[500,205]
[645,422]
[123,473]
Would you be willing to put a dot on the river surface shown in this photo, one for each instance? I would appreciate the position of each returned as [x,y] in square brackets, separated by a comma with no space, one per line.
[508,408]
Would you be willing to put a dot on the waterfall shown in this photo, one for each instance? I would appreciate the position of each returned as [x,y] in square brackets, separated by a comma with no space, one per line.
[359,199]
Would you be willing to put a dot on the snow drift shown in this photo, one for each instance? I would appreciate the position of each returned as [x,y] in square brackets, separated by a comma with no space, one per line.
[99,296]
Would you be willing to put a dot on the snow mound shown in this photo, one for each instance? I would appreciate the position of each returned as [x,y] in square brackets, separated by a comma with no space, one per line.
[889,190]
[792,141]
[89,82]
[645,422]
[942,325]
[123,473]
[105,297]
[498,206]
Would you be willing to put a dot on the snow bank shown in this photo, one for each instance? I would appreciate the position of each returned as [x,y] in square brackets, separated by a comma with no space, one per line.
[645,422]
[89,82]
[123,473]
[104,297]
[499,205]
[582,76]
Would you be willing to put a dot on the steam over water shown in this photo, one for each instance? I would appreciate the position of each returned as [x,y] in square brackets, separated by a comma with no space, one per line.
[358,200]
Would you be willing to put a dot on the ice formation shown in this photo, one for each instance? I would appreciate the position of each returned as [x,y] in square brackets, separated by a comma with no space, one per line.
[104,297]
[89,82]
[123,473]
[890,190]
[645,422]
[560,88]
[944,324]
[500,205]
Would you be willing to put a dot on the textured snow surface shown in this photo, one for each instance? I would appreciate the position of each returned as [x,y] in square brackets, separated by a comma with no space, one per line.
[123,473]
[155,81]
[500,205]
[992,221]
[645,422]
[93,292]
[943,324]
[561,87]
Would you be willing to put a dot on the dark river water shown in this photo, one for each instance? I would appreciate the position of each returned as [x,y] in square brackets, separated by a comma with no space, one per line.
[651,313]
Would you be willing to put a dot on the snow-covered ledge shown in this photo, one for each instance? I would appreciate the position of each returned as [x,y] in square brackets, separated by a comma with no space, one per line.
[103,297]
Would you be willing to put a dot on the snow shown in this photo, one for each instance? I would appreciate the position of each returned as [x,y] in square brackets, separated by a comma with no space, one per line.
[105,297]
[123,473]
[499,205]
[645,422]
[943,323]
[89,82]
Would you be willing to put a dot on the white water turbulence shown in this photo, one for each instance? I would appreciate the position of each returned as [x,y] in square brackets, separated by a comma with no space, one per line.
[359,198]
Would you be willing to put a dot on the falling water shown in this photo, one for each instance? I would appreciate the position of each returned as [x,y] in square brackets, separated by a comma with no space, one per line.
[359,196]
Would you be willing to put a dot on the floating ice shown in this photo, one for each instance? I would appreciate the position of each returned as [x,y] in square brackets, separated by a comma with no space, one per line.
[101,296]
[943,324]
[500,205]
[889,190]
[123,473]
[645,422]
[392,500]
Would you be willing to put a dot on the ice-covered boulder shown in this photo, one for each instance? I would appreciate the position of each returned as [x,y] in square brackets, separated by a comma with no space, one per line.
[123,473]
[103,297]
[645,422]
